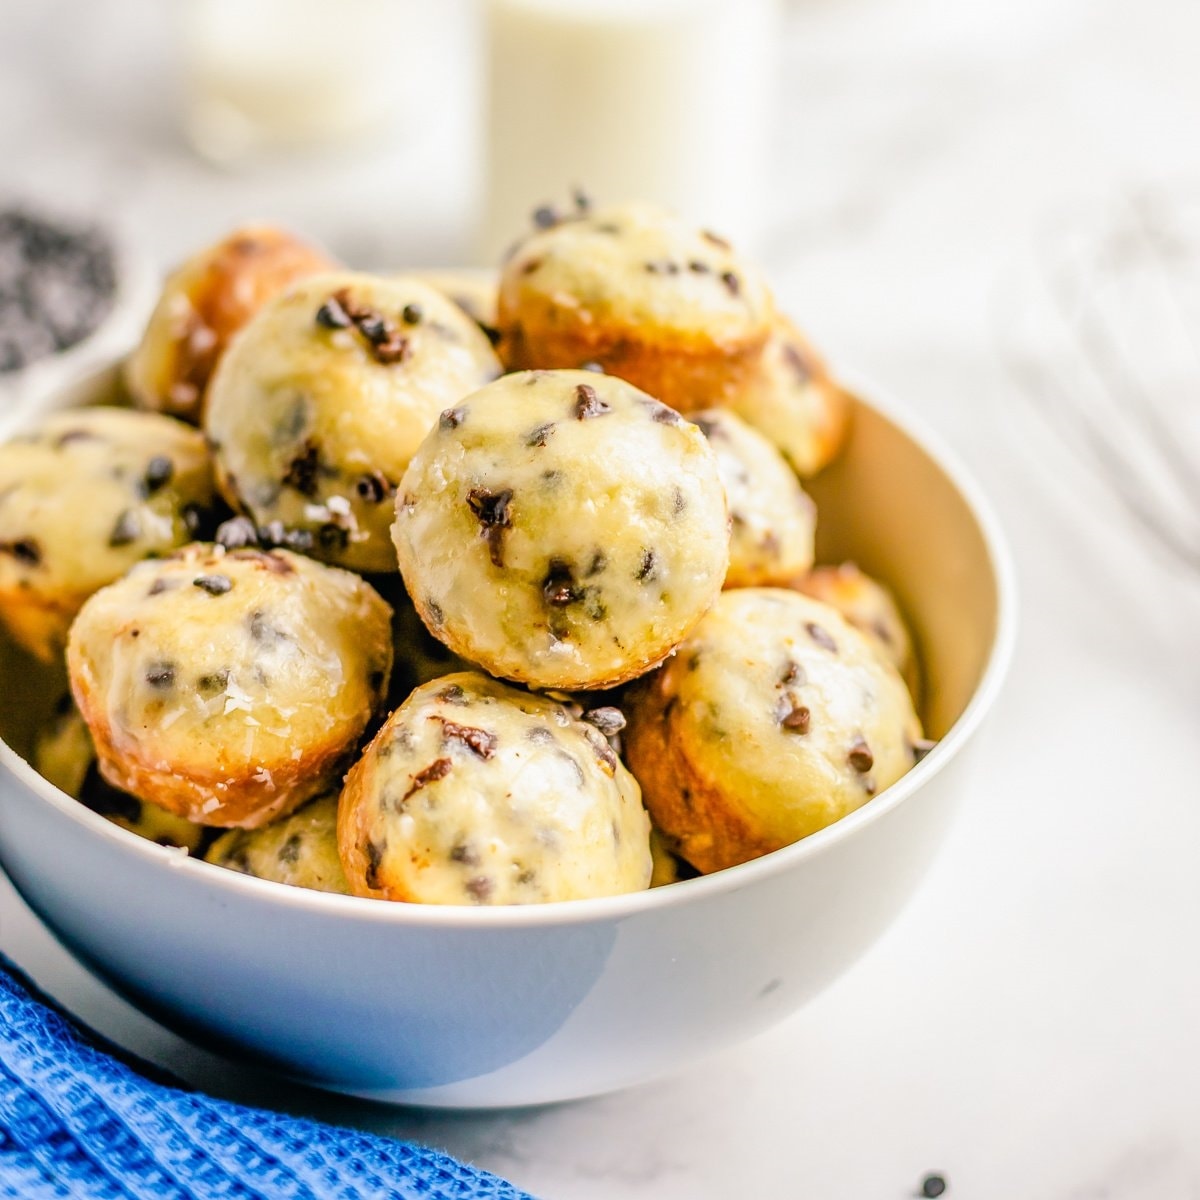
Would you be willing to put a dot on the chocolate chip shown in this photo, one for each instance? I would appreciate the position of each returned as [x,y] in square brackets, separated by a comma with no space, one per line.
[373,487]
[452,418]
[932,1186]
[609,720]
[559,588]
[236,533]
[921,747]
[374,860]
[709,236]
[479,888]
[698,267]
[540,434]
[332,315]
[26,550]
[214,585]
[289,852]
[452,694]
[480,742]
[126,530]
[860,756]
[213,683]
[332,536]
[274,533]
[374,328]
[797,718]
[434,609]
[464,853]
[733,285]
[598,563]
[158,473]
[492,511]
[794,673]
[263,631]
[161,585]
[413,314]
[662,413]
[588,403]
[646,569]
[392,349]
[304,470]
[821,636]
[544,217]
[161,675]
[438,769]
[678,501]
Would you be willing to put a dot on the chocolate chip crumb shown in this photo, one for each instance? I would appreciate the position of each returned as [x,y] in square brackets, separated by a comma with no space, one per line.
[126,530]
[480,742]
[492,511]
[331,314]
[452,418]
[159,471]
[797,718]
[860,756]
[607,719]
[438,769]
[588,403]
[214,585]
[821,636]
[161,676]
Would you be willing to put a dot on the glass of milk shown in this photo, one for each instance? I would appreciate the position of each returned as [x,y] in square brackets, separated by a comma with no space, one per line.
[660,100]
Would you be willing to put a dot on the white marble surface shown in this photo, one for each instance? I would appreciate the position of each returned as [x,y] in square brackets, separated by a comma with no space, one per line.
[1029,1027]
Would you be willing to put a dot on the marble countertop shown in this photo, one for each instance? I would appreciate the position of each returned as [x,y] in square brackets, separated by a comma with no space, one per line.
[1029,1024]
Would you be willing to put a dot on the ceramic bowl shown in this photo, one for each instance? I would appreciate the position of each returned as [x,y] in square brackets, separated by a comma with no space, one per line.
[483,1007]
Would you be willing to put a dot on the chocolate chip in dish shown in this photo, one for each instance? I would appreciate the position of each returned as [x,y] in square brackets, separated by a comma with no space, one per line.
[871,608]
[477,793]
[83,496]
[563,529]
[229,686]
[63,754]
[774,719]
[299,849]
[633,289]
[792,400]
[203,304]
[319,404]
[772,519]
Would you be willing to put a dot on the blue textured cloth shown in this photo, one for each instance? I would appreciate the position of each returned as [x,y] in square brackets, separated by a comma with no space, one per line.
[78,1122]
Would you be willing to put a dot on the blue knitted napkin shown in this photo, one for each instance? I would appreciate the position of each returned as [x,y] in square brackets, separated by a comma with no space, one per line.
[79,1123]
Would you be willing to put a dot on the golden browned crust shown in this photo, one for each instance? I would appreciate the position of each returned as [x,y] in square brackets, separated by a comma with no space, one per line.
[353,840]
[203,305]
[684,804]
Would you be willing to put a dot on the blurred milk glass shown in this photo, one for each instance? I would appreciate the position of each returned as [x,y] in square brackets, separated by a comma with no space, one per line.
[661,100]
[269,74]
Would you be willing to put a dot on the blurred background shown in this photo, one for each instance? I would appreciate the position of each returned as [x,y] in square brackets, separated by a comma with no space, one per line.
[991,208]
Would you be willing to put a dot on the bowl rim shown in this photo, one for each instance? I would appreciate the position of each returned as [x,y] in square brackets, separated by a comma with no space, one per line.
[604,909]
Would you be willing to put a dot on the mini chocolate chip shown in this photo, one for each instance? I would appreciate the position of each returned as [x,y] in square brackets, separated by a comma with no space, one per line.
[646,569]
[393,349]
[126,530]
[374,328]
[492,511]
[214,585]
[678,501]
[480,742]
[304,469]
[332,536]
[159,471]
[434,609]
[26,550]
[821,636]
[373,487]
[700,268]
[540,434]
[921,747]
[709,236]
[215,682]
[161,675]
[607,719]
[527,876]
[374,859]
[438,769]
[932,1186]
[530,266]
[413,314]
[236,533]
[860,756]
[794,673]
[289,852]
[598,563]
[733,285]
[452,694]
[559,586]
[464,853]
[544,217]
[663,413]
[263,631]
[588,403]
[331,314]
[452,418]
[479,888]
[797,718]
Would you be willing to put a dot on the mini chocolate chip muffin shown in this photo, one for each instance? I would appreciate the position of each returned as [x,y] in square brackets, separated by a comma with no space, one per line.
[321,401]
[229,687]
[870,608]
[203,304]
[774,719]
[64,755]
[562,529]
[300,849]
[642,294]
[474,792]
[792,400]
[772,519]
[83,497]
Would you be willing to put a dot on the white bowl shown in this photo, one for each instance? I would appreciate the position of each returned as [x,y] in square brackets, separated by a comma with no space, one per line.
[482,1007]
